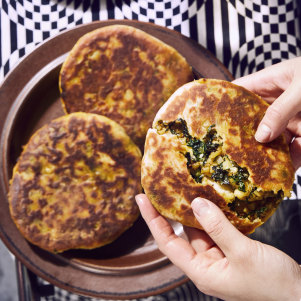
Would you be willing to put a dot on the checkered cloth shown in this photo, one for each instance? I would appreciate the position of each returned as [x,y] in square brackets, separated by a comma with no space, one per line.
[245,35]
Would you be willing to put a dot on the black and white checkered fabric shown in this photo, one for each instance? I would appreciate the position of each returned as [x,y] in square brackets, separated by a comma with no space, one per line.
[245,35]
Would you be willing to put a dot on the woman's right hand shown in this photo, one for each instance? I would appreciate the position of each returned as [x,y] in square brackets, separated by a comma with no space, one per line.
[280,85]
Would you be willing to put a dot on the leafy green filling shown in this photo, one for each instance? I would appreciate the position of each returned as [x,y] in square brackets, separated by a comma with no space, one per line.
[237,179]
[256,209]
[222,175]
[201,150]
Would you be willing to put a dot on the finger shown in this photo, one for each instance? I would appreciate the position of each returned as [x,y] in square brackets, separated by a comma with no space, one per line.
[177,249]
[218,227]
[294,125]
[202,243]
[288,136]
[277,116]
[199,239]
[270,82]
[295,150]
[266,89]
[214,255]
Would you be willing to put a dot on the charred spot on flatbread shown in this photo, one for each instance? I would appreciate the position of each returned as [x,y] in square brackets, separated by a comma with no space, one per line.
[123,73]
[202,144]
[74,184]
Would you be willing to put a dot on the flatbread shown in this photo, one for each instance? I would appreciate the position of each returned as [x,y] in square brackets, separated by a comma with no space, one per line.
[74,184]
[123,73]
[202,145]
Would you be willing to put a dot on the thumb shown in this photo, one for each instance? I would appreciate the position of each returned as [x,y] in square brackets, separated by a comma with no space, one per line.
[217,226]
[278,114]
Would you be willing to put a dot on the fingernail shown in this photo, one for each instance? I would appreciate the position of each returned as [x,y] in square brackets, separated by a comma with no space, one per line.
[263,133]
[139,198]
[200,206]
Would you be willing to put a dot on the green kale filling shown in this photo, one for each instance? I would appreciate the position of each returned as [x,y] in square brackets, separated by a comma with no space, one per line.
[196,173]
[239,178]
[197,158]
[201,150]
[222,175]
[255,209]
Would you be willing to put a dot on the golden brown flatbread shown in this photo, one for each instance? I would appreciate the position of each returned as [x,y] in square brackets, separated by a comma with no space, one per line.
[75,182]
[123,73]
[202,145]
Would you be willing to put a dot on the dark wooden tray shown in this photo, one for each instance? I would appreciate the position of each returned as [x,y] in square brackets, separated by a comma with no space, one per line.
[132,266]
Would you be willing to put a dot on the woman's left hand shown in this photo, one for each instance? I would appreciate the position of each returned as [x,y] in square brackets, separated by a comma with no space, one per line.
[220,260]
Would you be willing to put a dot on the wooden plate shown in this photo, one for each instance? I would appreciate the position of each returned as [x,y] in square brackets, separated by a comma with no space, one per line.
[132,266]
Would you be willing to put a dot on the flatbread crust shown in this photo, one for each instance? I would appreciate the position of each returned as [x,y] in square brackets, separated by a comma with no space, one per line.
[202,145]
[123,73]
[74,183]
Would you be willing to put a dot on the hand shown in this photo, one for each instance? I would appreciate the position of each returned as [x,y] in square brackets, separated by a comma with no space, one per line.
[221,261]
[280,85]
